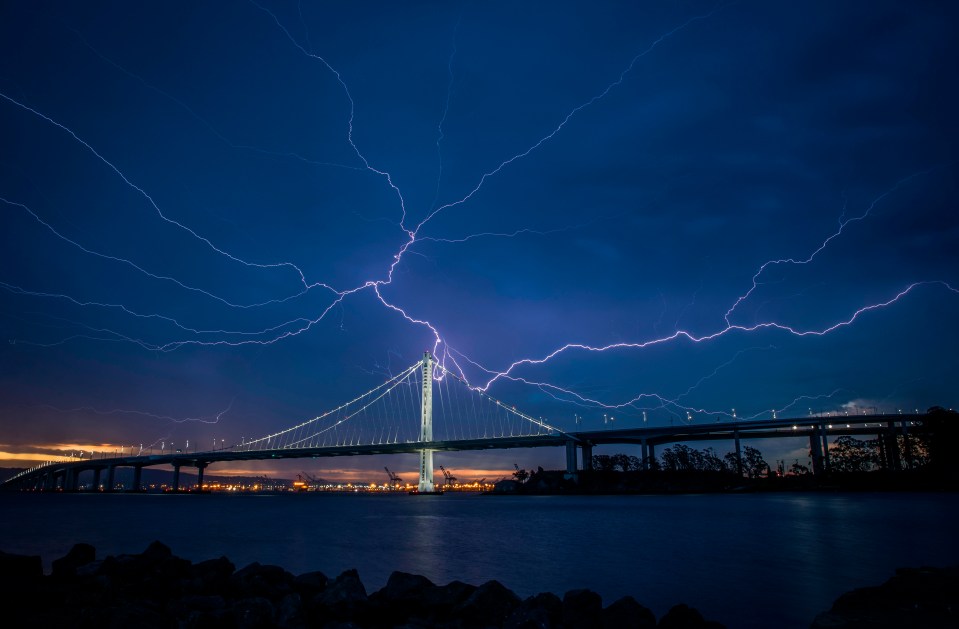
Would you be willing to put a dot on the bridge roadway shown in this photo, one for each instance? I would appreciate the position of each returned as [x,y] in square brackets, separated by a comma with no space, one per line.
[65,474]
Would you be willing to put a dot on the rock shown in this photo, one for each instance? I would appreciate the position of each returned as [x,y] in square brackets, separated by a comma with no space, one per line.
[582,609]
[490,604]
[309,584]
[253,613]
[203,603]
[682,617]
[626,613]
[403,595]
[19,568]
[924,597]
[346,588]
[155,553]
[445,598]
[256,580]
[80,555]
[404,587]
[343,599]
[211,576]
[536,612]
[289,613]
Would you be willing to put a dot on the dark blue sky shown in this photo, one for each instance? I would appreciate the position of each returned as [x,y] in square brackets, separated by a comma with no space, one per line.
[604,174]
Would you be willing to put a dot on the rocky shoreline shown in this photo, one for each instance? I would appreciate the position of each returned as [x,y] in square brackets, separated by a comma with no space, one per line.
[157,589]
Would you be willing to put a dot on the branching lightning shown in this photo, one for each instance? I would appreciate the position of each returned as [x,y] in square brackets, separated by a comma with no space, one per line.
[377,285]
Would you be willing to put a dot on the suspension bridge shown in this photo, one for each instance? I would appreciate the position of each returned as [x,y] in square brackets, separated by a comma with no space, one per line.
[425,409]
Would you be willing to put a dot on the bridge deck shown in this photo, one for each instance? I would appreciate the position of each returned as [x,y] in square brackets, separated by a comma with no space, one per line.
[658,435]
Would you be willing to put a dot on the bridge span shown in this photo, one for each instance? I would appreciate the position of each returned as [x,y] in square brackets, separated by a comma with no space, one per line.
[64,475]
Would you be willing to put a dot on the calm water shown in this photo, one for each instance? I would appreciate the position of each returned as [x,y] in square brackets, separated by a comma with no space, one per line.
[745,560]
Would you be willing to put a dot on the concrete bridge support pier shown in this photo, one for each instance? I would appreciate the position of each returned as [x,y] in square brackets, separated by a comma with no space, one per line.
[111,478]
[815,448]
[71,479]
[645,453]
[96,478]
[199,475]
[137,474]
[570,459]
[587,456]
[907,446]
[891,448]
[825,446]
[176,477]
[739,453]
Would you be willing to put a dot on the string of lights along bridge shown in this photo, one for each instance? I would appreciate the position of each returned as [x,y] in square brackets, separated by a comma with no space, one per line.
[427,408]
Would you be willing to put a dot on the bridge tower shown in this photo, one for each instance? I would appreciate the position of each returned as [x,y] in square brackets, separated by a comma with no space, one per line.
[426,427]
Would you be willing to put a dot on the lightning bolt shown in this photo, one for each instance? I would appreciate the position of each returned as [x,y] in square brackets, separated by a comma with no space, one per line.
[412,236]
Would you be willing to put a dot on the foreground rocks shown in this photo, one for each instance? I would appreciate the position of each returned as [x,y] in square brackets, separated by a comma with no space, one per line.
[924,597]
[158,589]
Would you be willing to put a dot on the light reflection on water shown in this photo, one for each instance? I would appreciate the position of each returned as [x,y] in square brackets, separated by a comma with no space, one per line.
[755,560]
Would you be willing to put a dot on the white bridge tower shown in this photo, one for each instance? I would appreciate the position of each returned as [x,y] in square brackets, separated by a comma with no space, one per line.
[426,427]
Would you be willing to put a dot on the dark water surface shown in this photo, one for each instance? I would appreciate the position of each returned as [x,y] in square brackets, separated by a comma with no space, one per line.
[755,560]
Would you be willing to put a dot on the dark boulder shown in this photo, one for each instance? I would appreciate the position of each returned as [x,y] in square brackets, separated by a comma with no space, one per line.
[626,613]
[252,613]
[343,599]
[155,553]
[490,604]
[266,581]
[80,555]
[924,597]
[536,612]
[582,609]
[309,584]
[289,613]
[404,595]
[19,568]
[403,587]
[682,617]
[211,576]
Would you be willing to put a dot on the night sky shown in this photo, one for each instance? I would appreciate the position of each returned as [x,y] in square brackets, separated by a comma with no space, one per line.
[215,215]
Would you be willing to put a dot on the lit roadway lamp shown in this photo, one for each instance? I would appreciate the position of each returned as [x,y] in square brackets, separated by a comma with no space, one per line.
[774,414]
[734,413]
[644,419]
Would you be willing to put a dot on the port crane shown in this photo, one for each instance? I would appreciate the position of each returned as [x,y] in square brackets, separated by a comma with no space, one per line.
[395,480]
[449,477]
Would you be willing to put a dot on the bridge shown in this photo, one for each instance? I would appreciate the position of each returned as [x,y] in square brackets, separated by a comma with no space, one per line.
[427,408]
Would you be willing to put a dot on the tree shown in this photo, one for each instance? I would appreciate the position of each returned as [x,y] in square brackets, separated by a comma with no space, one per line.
[798,470]
[625,462]
[733,462]
[682,458]
[940,433]
[849,454]
[603,463]
[521,476]
[712,462]
[753,463]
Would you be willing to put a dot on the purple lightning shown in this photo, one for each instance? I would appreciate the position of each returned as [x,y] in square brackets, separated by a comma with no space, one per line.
[441,348]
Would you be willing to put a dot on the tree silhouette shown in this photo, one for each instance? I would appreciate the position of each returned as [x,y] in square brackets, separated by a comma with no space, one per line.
[753,463]
[849,454]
